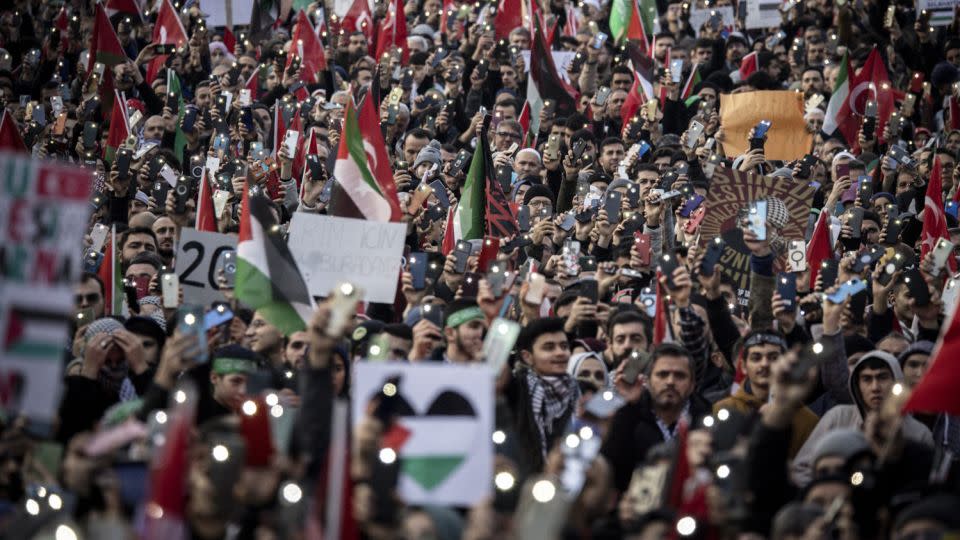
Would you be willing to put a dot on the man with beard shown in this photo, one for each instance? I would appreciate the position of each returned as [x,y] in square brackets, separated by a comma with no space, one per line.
[760,350]
[656,403]
[135,241]
[266,340]
[464,326]
[627,331]
[166,233]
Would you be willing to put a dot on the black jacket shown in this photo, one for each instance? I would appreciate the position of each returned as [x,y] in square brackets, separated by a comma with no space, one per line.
[633,431]
[525,426]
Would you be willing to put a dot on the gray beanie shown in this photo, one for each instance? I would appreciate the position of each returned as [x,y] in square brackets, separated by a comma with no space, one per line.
[919,347]
[783,172]
[429,154]
[840,442]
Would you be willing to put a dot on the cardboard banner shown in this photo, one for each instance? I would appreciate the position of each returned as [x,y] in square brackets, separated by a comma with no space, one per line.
[197,256]
[227,12]
[730,191]
[443,431]
[698,16]
[330,250]
[788,138]
[45,210]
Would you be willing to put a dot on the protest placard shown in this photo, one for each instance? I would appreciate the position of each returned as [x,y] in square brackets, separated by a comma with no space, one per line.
[763,14]
[330,250]
[447,456]
[942,12]
[45,211]
[731,191]
[197,257]
[788,138]
[228,12]
[698,16]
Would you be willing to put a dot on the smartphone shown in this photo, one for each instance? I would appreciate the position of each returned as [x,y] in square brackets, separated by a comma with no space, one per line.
[676,70]
[869,119]
[417,266]
[499,341]
[865,190]
[712,256]
[173,103]
[90,130]
[181,194]
[855,221]
[612,204]
[643,245]
[787,289]
[602,94]
[848,289]
[461,256]
[759,134]
[226,266]
[667,264]
[892,229]
[829,269]
[190,322]
[536,288]
[941,254]
[690,205]
[523,218]
[569,220]
[497,278]
[757,219]
[552,149]
[170,287]
[488,253]
[579,148]
[693,134]
[797,255]
[290,140]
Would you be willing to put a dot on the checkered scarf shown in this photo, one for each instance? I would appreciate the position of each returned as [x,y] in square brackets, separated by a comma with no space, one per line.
[551,397]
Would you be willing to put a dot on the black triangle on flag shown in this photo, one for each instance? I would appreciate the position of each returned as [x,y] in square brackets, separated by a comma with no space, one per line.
[499,217]
[544,74]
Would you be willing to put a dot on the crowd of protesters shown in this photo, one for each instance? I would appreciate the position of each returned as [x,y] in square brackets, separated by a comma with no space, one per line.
[719,391]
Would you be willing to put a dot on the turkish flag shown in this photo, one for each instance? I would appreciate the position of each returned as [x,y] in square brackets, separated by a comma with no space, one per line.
[168,30]
[358,17]
[509,16]
[393,32]
[306,46]
[937,390]
[934,218]
[749,64]
[872,82]
[206,215]
[819,249]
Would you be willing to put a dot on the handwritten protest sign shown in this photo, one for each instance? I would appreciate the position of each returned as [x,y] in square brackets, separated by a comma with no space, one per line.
[730,191]
[447,413]
[197,256]
[44,208]
[330,250]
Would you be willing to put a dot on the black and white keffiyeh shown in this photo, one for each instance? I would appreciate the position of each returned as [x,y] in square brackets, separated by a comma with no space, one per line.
[551,397]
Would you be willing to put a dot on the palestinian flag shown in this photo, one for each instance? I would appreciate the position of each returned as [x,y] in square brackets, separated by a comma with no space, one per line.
[642,89]
[545,83]
[119,130]
[268,279]
[692,81]
[363,189]
[483,209]
[627,21]
[831,121]
[105,48]
[180,140]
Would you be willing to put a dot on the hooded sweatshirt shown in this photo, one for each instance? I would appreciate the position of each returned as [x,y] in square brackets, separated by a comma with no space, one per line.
[851,416]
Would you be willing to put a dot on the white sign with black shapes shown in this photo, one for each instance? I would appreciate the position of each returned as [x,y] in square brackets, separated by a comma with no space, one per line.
[197,257]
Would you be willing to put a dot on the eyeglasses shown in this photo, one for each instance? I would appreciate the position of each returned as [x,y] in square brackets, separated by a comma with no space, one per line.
[508,134]
[89,298]
[869,230]
[598,375]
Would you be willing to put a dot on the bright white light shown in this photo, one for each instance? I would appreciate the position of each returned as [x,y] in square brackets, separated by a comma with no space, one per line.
[292,493]
[504,481]
[375,350]
[499,437]
[180,396]
[389,389]
[272,399]
[189,319]
[55,501]
[220,453]
[856,478]
[33,507]
[572,441]
[249,408]
[276,411]
[686,526]
[817,348]
[708,421]
[607,395]
[161,417]
[586,433]
[723,415]
[897,389]
[65,533]
[544,491]
[723,471]
[388,456]
[41,492]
